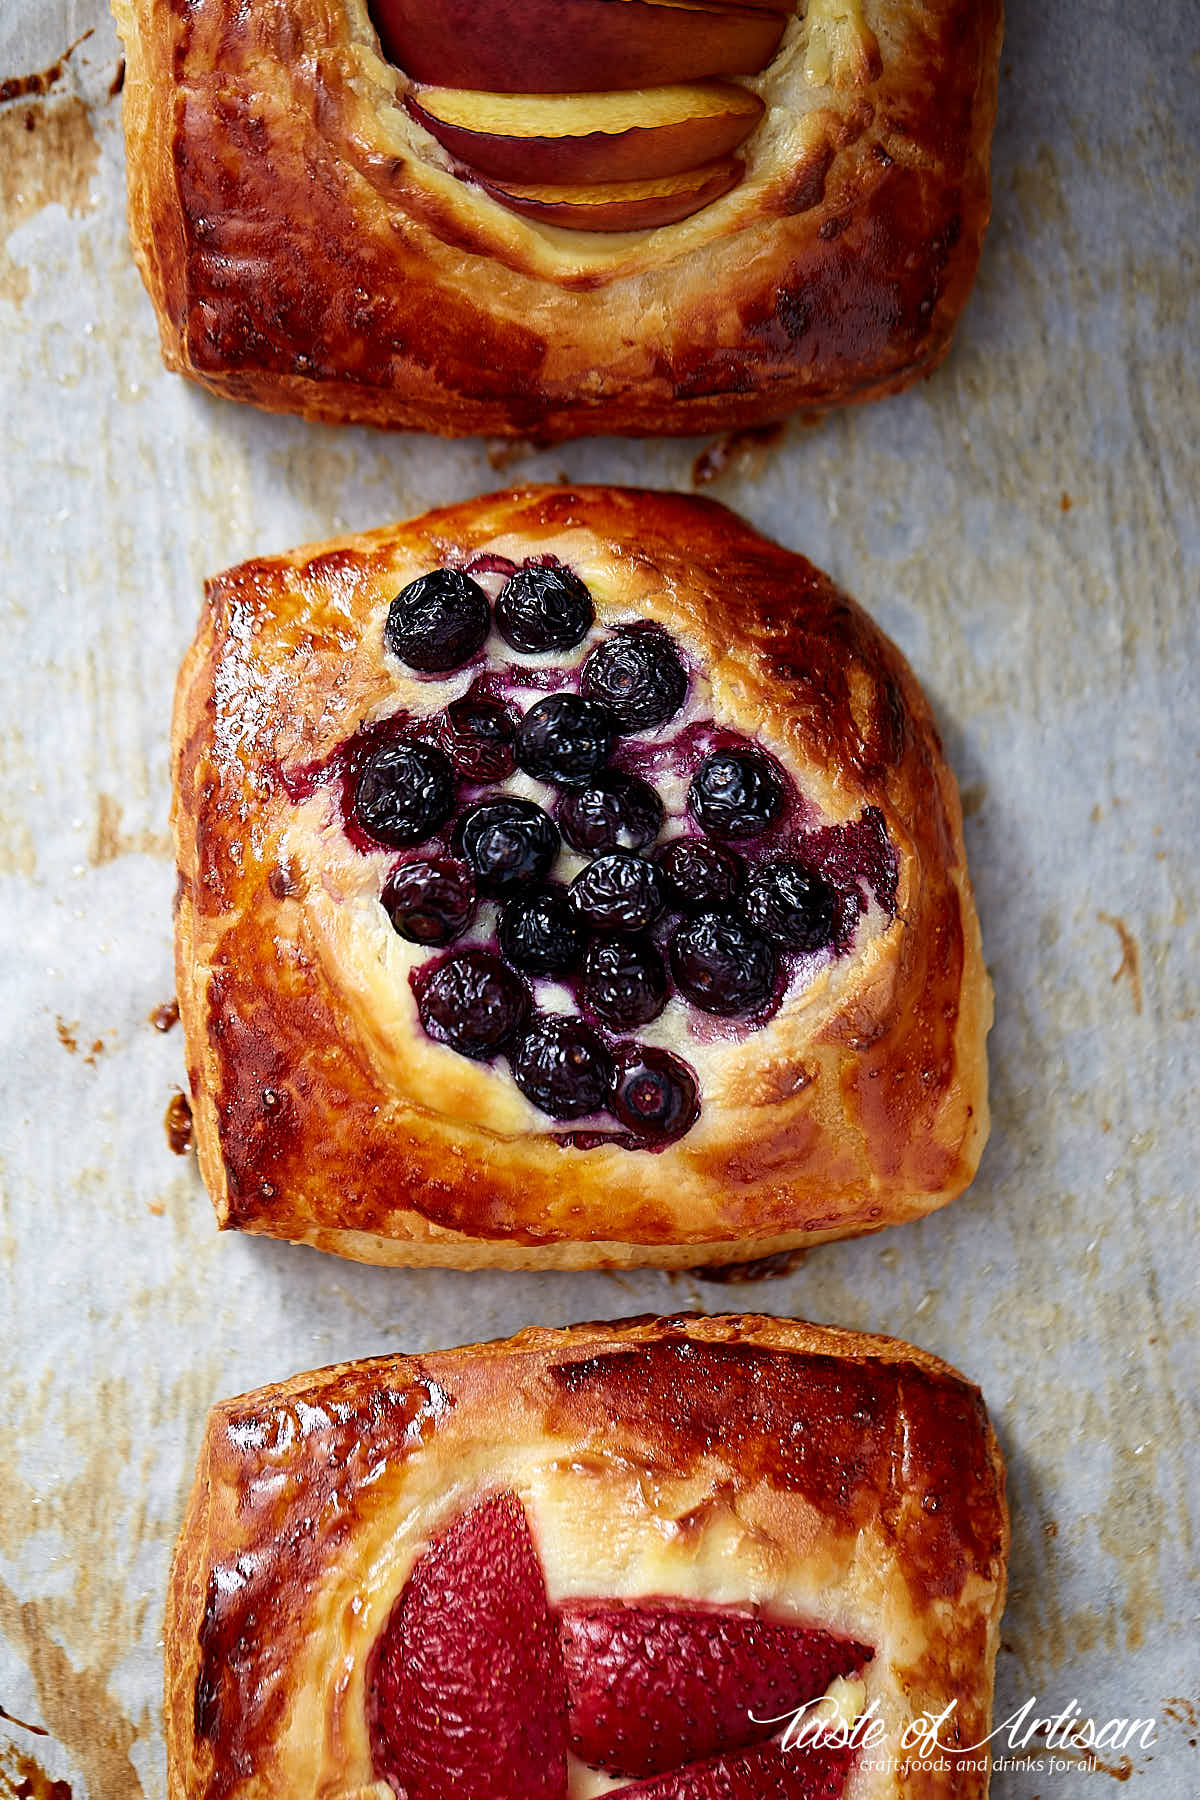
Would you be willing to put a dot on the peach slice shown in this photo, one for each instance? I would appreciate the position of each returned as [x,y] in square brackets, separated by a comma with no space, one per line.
[566,138]
[620,205]
[569,46]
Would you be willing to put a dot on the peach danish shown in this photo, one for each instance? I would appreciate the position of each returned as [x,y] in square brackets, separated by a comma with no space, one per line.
[569,877]
[550,218]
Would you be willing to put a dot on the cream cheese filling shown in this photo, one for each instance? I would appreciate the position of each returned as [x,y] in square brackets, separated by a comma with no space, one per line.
[602,1528]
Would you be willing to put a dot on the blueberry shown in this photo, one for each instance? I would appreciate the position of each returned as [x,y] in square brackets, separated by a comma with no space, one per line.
[404,792]
[618,892]
[700,876]
[430,900]
[654,1093]
[438,622]
[639,675]
[539,933]
[736,793]
[616,812]
[787,902]
[624,981]
[563,1067]
[544,609]
[565,739]
[507,842]
[477,735]
[722,965]
[473,1003]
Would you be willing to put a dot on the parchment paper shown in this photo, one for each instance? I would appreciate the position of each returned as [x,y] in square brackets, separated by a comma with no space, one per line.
[1025,525]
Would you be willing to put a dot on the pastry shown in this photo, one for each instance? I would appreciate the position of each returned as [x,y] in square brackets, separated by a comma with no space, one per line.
[406,213]
[677,1559]
[568,877]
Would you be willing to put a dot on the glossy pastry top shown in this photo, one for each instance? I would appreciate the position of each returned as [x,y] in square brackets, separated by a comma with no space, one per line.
[774,1470]
[312,245]
[329,1097]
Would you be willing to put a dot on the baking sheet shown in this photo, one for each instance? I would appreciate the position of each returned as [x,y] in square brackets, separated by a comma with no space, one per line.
[1025,525]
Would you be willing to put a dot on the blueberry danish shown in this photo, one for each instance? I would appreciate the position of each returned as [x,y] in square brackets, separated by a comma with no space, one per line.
[567,878]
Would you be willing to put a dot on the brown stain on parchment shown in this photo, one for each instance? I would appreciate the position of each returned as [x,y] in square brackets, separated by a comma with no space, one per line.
[1130,1528]
[70,1043]
[16,87]
[18,853]
[504,454]
[1041,199]
[1179,1710]
[82,1715]
[166,1016]
[48,154]
[21,1778]
[741,452]
[109,842]
[72,1642]
[1131,958]
[12,1719]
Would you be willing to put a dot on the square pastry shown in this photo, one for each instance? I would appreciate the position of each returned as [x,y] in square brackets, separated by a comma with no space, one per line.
[554,218]
[569,877]
[678,1559]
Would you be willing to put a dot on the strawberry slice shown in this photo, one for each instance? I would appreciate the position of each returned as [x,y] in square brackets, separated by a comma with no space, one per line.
[654,1684]
[766,1773]
[465,1689]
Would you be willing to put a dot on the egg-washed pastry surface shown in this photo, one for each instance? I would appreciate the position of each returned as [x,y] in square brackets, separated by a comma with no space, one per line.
[552,218]
[568,877]
[673,1558]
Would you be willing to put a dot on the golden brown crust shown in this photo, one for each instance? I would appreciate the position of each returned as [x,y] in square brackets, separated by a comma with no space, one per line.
[847,1480]
[322,1111]
[308,248]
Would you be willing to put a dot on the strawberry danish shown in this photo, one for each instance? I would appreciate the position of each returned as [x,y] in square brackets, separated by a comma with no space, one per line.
[678,1559]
